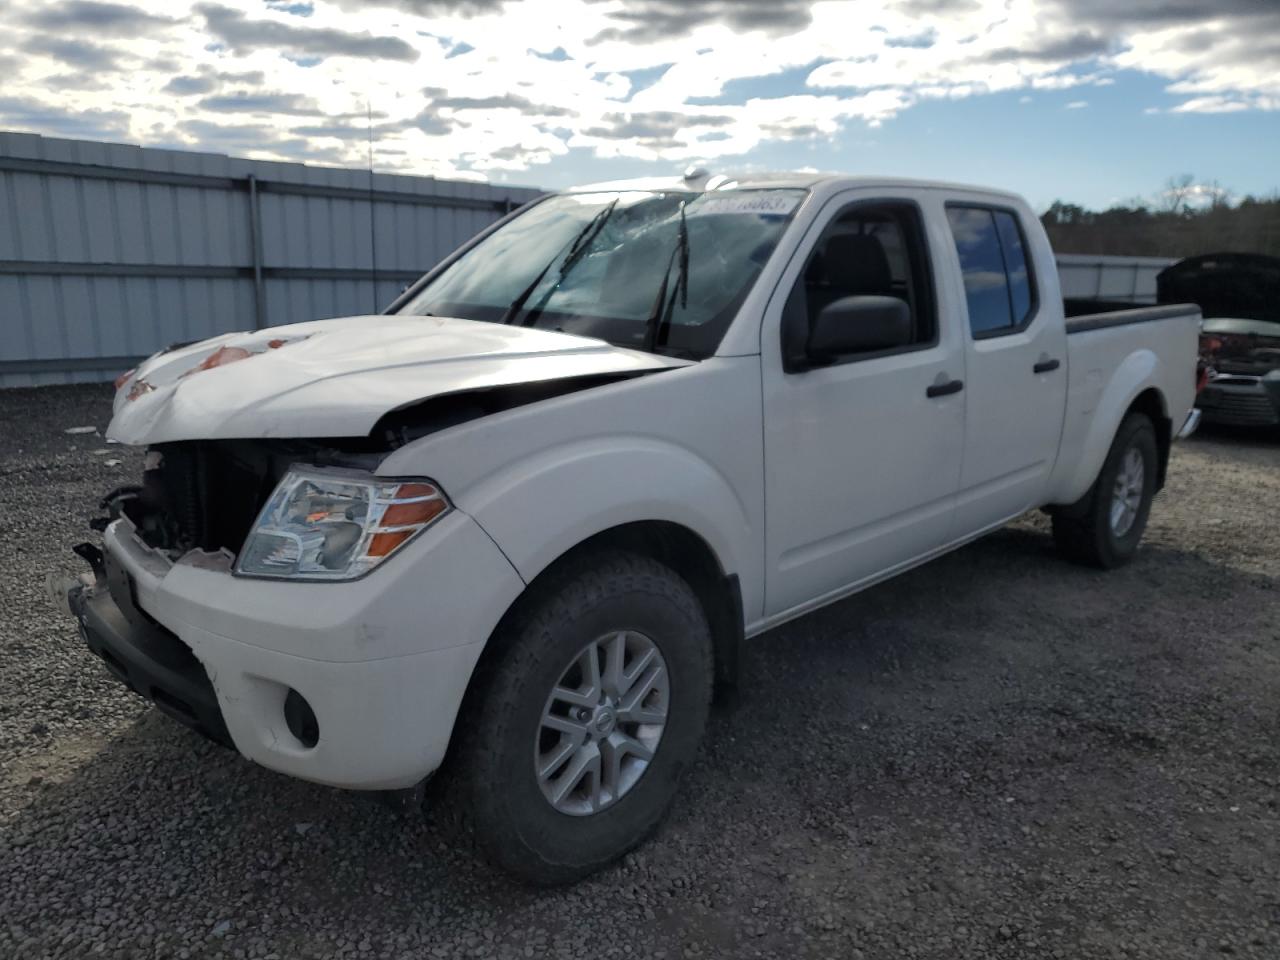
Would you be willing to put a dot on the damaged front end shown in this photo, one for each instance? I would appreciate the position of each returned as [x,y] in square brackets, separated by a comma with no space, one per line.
[1241,360]
[148,658]
[203,495]
[196,505]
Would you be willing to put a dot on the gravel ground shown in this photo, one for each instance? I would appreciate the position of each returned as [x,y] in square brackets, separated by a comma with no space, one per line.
[997,755]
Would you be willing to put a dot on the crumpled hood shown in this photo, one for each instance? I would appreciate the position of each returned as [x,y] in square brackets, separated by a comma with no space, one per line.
[336,378]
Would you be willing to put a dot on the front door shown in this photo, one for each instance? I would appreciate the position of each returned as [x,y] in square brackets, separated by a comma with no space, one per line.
[862,452]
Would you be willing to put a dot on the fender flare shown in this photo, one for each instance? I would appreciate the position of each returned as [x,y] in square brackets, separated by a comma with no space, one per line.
[1138,373]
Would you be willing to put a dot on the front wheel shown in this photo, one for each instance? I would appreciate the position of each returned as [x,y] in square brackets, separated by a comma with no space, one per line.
[592,704]
[1103,530]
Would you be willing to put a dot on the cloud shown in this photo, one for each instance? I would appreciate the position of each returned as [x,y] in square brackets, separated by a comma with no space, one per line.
[1167,12]
[645,21]
[27,113]
[926,8]
[285,104]
[1218,104]
[297,9]
[253,137]
[654,125]
[507,101]
[189,86]
[76,53]
[1078,46]
[1077,105]
[102,19]
[1226,48]
[244,35]
[431,8]
[429,123]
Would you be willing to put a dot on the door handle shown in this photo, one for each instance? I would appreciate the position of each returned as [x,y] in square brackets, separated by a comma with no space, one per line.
[943,389]
[1045,366]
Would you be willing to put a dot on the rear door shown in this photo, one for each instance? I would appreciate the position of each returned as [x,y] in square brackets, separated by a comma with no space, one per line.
[862,455]
[1015,361]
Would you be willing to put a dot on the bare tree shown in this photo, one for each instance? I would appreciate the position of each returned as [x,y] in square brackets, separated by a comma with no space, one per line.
[1218,196]
[1178,191]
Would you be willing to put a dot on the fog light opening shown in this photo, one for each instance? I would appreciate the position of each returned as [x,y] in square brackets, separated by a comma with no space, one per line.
[301,719]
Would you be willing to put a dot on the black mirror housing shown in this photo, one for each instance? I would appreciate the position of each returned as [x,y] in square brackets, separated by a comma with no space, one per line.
[861,324]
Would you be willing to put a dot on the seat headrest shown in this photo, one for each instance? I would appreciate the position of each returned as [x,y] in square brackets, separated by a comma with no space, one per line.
[857,263]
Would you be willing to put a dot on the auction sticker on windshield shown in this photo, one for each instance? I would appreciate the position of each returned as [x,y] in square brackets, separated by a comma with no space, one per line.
[773,204]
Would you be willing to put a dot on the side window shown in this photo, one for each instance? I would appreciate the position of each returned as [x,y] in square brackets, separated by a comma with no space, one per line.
[997,279]
[1015,265]
[867,250]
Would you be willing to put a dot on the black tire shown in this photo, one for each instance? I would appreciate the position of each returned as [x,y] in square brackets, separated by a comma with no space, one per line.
[1083,532]
[595,594]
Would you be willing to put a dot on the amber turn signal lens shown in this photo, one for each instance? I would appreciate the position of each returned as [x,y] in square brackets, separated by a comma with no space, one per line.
[411,491]
[383,543]
[404,514]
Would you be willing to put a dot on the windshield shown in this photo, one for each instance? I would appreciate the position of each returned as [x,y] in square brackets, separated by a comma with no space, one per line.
[654,271]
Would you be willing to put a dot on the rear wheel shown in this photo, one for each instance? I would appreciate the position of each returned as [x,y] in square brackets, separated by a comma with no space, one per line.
[1104,528]
[589,709]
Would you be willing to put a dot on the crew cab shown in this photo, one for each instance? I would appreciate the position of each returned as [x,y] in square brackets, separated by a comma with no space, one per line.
[524,519]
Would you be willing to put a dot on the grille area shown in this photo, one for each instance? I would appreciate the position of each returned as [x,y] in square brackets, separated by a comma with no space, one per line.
[206,494]
[1240,407]
[212,494]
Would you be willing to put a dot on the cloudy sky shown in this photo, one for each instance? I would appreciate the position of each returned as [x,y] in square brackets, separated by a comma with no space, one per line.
[1091,100]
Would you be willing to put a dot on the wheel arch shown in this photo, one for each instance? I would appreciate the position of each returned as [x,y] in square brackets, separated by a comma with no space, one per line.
[672,544]
[685,552]
[1133,387]
[1152,403]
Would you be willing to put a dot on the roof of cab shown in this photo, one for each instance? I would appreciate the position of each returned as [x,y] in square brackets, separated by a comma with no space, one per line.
[706,180]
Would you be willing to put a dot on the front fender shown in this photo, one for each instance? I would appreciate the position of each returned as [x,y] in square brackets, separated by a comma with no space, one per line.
[1098,416]
[541,507]
[684,446]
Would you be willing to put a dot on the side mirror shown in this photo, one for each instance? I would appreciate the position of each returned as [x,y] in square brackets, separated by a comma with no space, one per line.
[863,324]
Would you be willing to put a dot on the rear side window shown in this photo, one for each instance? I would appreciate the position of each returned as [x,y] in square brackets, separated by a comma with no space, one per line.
[997,279]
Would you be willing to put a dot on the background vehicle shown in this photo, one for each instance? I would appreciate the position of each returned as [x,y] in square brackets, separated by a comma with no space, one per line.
[1239,295]
[527,518]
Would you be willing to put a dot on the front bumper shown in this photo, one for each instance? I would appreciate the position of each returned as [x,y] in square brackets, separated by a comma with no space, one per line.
[1241,401]
[382,662]
[147,658]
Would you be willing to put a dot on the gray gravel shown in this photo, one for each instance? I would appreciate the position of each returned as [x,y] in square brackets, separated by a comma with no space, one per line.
[997,755]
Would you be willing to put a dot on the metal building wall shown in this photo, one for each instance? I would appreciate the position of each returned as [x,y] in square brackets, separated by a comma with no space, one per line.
[110,252]
[1093,277]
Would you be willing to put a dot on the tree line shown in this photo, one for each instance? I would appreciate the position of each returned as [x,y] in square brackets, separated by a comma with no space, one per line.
[1185,219]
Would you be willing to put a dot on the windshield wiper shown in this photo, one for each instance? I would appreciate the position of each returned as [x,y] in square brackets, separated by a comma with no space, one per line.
[572,254]
[660,315]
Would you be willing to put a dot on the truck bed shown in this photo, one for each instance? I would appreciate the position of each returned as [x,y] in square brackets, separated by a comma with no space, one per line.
[1081,319]
[1107,351]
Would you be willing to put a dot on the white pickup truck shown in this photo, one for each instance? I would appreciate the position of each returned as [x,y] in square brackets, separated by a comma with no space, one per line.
[523,521]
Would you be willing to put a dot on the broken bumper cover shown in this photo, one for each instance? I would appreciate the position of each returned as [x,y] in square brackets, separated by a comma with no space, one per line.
[148,659]
[382,662]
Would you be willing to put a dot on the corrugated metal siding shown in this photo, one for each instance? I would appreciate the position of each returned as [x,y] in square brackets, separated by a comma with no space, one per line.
[1089,277]
[110,252]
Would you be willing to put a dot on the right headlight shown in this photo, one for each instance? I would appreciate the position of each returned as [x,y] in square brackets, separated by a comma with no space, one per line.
[336,524]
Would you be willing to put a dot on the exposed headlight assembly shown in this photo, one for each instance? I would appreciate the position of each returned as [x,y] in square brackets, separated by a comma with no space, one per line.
[336,524]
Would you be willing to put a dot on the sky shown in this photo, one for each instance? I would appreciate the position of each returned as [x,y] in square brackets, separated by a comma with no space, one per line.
[1090,101]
